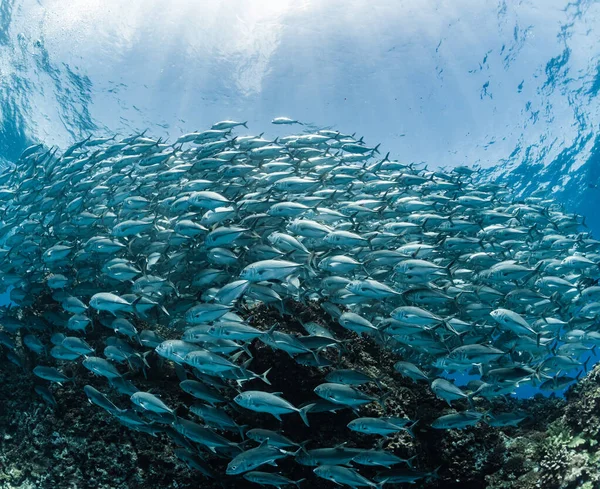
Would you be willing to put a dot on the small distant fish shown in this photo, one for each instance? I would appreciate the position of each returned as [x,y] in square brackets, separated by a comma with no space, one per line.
[284,120]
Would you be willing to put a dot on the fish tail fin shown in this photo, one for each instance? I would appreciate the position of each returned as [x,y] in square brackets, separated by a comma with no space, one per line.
[303,412]
[174,287]
[309,265]
[315,355]
[435,474]
[381,399]
[537,373]
[410,460]
[263,376]
[446,322]
[298,482]
[241,429]
[538,336]
[143,357]
[470,400]
[480,368]
[247,350]
[302,445]
[370,241]
[410,431]
[135,303]
[237,355]
[271,329]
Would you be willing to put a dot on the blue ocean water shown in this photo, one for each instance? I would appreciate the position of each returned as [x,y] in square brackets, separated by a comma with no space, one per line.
[444,83]
[509,86]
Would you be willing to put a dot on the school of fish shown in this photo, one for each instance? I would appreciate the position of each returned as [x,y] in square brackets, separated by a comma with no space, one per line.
[136,237]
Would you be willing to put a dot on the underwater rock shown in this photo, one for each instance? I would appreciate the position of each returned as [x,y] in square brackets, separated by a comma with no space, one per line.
[75,445]
[562,452]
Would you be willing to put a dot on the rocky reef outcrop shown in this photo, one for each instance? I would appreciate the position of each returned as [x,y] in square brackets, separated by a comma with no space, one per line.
[77,445]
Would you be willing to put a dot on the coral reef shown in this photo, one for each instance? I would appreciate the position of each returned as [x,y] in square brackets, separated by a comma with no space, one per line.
[562,454]
[76,445]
